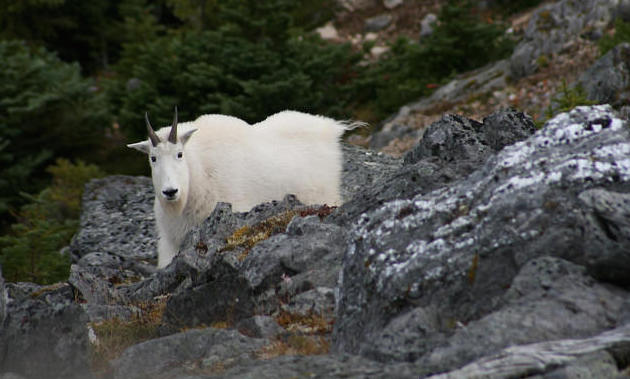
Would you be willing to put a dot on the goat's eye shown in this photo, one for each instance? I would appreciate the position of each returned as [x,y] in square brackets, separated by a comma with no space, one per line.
[153,159]
[180,154]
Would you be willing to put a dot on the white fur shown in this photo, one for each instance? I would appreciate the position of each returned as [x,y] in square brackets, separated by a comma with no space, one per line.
[228,160]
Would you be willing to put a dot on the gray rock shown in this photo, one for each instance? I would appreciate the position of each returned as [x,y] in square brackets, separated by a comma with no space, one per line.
[308,244]
[319,366]
[354,5]
[427,24]
[391,4]
[451,148]
[553,26]
[587,358]
[363,168]
[623,10]
[260,327]
[238,288]
[450,255]
[599,364]
[608,79]
[117,218]
[185,353]
[44,334]
[10,375]
[376,23]
[453,138]
[484,80]
[549,299]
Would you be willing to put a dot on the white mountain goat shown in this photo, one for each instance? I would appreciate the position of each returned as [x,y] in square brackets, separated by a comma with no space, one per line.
[216,158]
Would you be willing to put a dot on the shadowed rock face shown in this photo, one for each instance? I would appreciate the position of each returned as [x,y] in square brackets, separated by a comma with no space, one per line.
[470,254]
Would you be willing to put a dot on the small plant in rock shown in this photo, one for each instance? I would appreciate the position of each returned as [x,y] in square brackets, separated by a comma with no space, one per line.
[621,34]
[567,99]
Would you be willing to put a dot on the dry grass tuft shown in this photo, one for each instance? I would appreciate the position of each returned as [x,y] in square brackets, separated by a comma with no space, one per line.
[295,345]
[310,336]
[248,236]
[114,336]
[311,323]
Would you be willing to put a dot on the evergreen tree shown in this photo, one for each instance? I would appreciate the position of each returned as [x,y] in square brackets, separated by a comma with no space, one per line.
[46,109]
[31,251]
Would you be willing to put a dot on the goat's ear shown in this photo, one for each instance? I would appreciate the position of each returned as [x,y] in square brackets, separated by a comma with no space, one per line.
[186,136]
[141,146]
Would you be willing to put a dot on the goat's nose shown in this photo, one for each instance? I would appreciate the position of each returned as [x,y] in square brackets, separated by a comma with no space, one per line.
[170,192]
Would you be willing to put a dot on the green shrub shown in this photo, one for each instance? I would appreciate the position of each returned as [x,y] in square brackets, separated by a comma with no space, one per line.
[256,63]
[459,43]
[515,6]
[46,109]
[566,99]
[31,251]
[622,34]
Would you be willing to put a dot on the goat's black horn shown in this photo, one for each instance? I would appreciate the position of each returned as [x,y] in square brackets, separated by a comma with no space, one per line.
[172,137]
[152,136]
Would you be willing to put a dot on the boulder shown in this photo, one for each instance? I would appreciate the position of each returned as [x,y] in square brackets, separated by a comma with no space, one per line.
[520,251]
[204,351]
[451,148]
[376,23]
[608,79]
[44,332]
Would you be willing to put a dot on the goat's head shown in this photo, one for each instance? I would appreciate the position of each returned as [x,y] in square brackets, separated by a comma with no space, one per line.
[168,163]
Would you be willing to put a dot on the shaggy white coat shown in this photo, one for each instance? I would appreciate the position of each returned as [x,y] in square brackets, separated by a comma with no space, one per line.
[225,159]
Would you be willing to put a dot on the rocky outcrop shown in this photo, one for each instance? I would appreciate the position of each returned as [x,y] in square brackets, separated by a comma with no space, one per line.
[488,249]
[44,333]
[554,26]
[520,251]
[554,29]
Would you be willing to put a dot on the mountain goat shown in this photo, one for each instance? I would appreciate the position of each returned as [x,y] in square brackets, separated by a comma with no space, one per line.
[216,158]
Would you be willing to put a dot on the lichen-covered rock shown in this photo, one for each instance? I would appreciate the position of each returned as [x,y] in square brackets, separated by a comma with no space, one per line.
[451,148]
[417,270]
[117,218]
